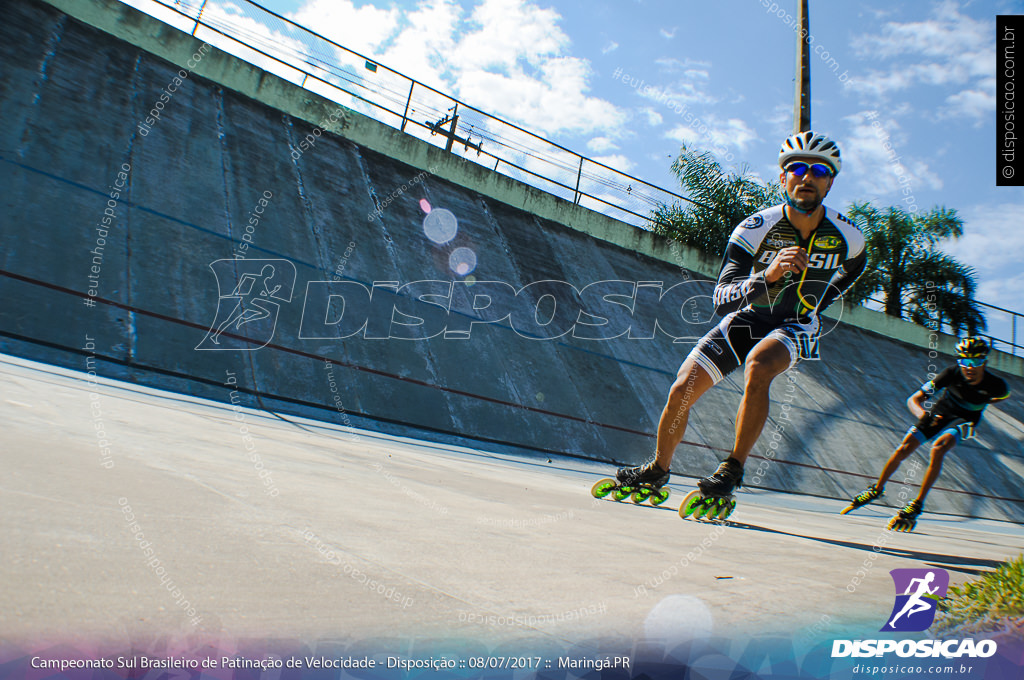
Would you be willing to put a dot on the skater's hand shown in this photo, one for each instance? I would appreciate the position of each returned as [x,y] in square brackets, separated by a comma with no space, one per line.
[916,405]
[792,260]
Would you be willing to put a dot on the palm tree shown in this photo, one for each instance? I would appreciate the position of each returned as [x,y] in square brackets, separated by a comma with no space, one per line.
[720,201]
[918,281]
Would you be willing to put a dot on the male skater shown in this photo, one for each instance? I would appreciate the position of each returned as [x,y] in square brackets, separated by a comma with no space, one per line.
[967,389]
[782,268]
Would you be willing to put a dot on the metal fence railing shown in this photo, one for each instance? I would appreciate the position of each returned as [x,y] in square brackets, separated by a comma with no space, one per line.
[1004,317]
[280,46]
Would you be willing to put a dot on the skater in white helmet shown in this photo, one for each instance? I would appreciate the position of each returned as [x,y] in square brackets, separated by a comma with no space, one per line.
[782,268]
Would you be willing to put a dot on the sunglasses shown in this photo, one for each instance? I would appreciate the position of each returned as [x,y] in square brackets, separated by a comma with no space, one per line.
[971,362]
[819,170]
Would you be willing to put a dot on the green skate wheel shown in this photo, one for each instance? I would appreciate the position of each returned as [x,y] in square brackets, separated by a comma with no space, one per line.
[641,494]
[726,508]
[704,508]
[660,496]
[690,503]
[603,488]
[622,492]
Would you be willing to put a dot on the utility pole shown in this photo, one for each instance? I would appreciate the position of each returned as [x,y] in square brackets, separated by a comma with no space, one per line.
[453,118]
[802,103]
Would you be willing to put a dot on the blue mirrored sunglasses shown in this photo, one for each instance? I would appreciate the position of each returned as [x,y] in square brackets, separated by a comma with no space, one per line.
[799,169]
[971,362]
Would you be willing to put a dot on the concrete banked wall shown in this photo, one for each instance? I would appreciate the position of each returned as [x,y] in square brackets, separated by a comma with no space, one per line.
[72,95]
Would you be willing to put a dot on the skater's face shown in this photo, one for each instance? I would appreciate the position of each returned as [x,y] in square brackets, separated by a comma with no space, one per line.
[807,191]
[973,374]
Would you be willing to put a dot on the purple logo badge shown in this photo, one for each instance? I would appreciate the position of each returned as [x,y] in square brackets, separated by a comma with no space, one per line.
[918,592]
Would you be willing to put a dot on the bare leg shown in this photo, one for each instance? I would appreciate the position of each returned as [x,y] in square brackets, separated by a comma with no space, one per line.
[906,447]
[691,382]
[939,449]
[768,359]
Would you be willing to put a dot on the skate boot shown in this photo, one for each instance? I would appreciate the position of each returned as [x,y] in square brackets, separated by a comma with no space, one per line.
[713,498]
[906,519]
[863,498]
[639,483]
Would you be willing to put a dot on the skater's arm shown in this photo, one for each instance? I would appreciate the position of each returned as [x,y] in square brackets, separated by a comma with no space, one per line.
[929,390]
[1003,392]
[737,285]
[916,404]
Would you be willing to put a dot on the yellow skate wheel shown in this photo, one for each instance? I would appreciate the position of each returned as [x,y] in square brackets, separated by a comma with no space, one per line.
[603,487]
[690,503]
[660,496]
[897,524]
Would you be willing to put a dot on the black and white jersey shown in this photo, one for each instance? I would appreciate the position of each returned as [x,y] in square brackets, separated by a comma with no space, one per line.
[836,258]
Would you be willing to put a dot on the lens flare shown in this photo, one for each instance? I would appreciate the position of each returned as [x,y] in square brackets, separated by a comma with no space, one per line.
[440,225]
[462,261]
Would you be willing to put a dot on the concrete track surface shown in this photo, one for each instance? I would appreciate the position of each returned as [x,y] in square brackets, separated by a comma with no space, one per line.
[355,535]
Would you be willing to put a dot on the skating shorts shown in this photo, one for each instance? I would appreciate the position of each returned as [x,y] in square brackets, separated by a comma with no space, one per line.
[727,345]
[936,425]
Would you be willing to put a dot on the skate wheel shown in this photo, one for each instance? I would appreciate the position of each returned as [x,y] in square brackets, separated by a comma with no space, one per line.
[726,508]
[603,488]
[660,496]
[690,503]
[622,493]
[897,524]
[641,494]
[704,508]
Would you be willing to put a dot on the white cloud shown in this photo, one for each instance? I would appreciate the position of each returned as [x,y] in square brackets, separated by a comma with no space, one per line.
[950,49]
[712,134]
[874,158]
[362,29]
[424,41]
[676,95]
[669,33]
[976,104]
[1002,291]
[610,47]
[653,117]
[693,67]
[992,242]
[510,33]
[601,144]
[508,57]
[616,161]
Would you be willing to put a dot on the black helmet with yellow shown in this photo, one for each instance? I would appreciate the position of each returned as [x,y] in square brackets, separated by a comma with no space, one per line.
[971,351]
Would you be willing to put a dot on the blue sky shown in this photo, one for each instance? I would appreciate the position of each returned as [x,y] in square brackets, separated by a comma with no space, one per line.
[916,76]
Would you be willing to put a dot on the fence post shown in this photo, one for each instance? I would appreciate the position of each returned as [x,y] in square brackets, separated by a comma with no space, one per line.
[199,17]
[408,100]
[579,174]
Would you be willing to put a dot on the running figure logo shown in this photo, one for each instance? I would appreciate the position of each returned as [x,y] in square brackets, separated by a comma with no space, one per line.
[918,592]
[247,316]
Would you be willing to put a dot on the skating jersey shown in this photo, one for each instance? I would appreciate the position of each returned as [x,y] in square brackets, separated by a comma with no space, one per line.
[961,398]
[836,258]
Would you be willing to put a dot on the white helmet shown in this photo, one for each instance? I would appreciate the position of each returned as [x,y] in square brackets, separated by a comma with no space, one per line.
[810,145]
